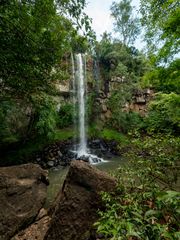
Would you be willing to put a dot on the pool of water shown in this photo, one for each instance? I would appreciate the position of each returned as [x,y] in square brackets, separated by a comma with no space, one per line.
[57,176]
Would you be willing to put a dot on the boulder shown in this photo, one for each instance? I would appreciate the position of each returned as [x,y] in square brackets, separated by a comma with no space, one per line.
[75,208]
[37,230]
[22,194]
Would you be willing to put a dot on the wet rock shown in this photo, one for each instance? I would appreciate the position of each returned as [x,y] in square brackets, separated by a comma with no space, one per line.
[75,209]
[22,194]
[50,163]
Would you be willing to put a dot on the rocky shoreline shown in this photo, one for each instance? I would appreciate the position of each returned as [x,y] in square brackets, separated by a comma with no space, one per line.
[61,153]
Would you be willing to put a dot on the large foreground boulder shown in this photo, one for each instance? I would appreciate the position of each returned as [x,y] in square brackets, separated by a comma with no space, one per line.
[22,194]
[76,206]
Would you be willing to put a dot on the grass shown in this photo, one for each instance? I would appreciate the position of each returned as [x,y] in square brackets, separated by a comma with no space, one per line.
[96,131]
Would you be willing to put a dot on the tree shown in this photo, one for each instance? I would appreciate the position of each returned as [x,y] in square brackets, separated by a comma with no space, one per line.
[125,24]
[161,22]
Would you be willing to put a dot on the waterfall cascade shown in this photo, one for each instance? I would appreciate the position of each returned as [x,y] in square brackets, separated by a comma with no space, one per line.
[79,89]
[80,76]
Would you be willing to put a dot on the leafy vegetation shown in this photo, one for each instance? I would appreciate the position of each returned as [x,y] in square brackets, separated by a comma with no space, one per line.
[65,115]
[164,114]
[36,41]
[145,204]
[161,21]
[35,38]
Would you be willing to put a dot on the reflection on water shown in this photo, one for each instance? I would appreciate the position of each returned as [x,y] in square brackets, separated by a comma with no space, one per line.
[56,179]
[57,176]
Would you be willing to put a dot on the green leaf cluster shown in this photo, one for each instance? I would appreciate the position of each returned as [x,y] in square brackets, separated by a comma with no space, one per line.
[161,21]
[145,204]
[164,114]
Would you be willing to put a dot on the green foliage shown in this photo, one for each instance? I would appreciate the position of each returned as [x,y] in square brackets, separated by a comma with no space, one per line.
[125,122]
[164,114]
[161,20]
[119,60]
[139,208]
[45,115]
[34,38]
[65,115]
[64,134]
[125,24]
[165,79]
[13,121]
[122,120]
[92,108]
[110,134]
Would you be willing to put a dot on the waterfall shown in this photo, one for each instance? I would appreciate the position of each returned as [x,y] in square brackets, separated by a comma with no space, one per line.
[80,74]
[79,95]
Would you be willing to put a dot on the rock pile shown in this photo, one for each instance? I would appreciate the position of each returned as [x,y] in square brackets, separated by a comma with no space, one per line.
[56,154]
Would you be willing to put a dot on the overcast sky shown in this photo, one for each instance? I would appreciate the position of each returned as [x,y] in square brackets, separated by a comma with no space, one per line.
[99,11]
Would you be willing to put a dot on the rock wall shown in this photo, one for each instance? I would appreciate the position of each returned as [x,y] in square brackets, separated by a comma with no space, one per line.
[140,101]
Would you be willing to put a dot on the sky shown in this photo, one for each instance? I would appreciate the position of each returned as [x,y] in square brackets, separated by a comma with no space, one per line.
[99,11]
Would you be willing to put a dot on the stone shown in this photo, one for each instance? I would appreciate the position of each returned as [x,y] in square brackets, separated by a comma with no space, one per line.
[42,213]
[140,99]
[50,163]
[108,114]
[104,107]
[22,194]
[75,209]
[35,231]
[59,154]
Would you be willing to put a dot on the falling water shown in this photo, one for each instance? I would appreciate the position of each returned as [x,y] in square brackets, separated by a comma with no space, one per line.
[79,90]
[81,103]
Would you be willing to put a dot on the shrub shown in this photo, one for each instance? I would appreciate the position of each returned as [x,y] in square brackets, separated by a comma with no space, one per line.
[145,204]
[13,121]
[45,115]
[126,122]
[164,114]
[65,115]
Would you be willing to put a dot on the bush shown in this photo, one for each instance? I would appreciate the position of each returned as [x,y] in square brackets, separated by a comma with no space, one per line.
[126,122]
[110,134]
[164,114]
[65,115]
[145,204]
[13,121]
[45,115]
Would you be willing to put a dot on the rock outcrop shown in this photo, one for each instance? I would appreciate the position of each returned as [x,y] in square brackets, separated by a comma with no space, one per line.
[22,194]
[75,209]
